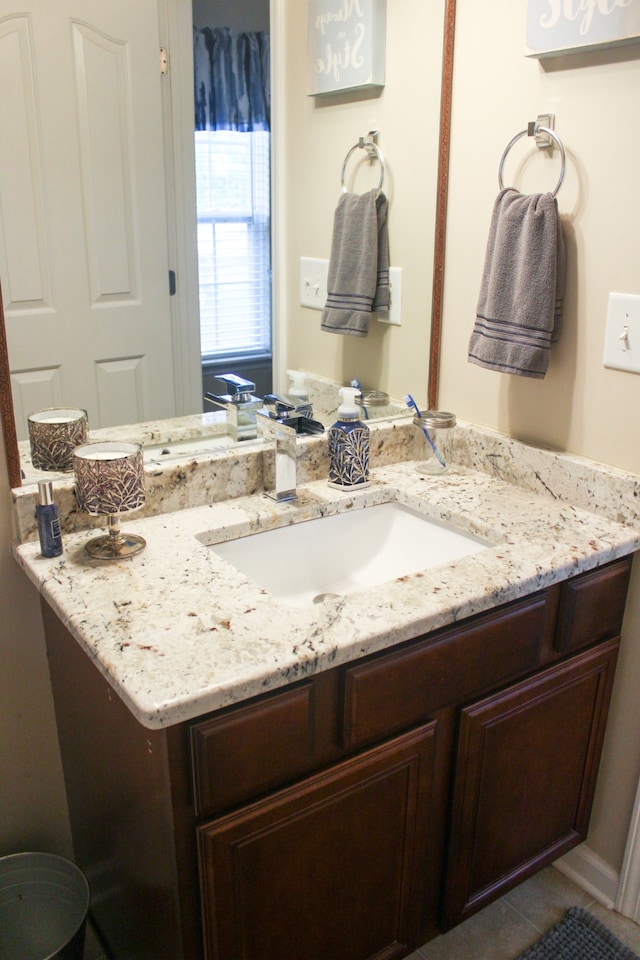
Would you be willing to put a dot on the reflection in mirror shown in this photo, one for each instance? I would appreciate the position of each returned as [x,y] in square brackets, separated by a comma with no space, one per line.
[88,311]
[53,436]
[165,383]
[198,435]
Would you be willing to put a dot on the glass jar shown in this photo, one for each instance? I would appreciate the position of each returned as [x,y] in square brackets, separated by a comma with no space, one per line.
[439,424]
[373,404]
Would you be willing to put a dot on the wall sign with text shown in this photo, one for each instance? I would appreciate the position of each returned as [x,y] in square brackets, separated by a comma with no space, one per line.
[567,26]
[345,45]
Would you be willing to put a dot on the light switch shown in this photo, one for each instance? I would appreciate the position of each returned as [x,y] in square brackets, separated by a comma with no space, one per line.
[313,282]
[622,333]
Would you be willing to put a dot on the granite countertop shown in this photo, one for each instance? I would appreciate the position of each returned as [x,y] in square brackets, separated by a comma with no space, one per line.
[179,632]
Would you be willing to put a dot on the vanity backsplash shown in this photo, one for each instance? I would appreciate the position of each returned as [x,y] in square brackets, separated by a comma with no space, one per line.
[245,469]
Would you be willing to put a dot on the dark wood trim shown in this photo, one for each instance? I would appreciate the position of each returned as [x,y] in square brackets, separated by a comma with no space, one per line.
[441,201]
[7,417]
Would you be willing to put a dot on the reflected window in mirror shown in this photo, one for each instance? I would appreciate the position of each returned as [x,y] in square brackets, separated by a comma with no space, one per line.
[234,251]
[232,152]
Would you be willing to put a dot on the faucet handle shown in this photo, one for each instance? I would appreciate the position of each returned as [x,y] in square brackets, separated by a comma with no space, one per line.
[281,406]
[238,388]
[278,404]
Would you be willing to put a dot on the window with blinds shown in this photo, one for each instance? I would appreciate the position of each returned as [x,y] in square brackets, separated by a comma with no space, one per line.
[234,243]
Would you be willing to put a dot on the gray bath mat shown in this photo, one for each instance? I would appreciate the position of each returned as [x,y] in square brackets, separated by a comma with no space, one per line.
[578,937]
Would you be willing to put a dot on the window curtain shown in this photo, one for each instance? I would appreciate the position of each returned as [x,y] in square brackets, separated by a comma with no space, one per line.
[231,80]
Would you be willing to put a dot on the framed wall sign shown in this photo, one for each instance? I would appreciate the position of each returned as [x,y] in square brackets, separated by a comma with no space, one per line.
[345,45]
[555,27]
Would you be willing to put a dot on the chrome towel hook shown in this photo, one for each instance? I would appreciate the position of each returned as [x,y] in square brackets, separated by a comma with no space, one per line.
[542,130]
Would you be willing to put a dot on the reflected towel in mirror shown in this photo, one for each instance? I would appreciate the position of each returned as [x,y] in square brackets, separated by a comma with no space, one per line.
[358,280]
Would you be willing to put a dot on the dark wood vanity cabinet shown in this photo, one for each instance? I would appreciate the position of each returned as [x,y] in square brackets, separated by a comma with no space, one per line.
[332,866]
[358,812]
[524,776]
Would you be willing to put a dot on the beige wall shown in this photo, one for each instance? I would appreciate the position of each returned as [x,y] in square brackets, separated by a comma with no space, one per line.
[579,406]
[319,133]
[32,801]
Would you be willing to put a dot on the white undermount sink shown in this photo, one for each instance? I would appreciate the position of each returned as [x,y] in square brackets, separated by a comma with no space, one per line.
[313,560]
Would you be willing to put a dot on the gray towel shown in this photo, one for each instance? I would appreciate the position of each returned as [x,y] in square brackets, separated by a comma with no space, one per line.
[522,285]
[358,281]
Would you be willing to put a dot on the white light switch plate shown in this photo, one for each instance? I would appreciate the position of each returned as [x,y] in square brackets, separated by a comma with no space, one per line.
[622,333]
[313,282]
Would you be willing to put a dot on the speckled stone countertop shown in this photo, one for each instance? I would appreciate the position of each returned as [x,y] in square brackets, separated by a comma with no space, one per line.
[178,632]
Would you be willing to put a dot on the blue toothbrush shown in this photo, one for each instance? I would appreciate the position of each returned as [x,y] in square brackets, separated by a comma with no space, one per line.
[358,386]
[410,402]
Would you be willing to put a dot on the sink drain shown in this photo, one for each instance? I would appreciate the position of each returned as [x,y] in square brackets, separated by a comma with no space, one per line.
[321,597]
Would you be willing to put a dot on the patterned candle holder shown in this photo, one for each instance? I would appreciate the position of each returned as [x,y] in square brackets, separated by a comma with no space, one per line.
[110,481]
[54,434]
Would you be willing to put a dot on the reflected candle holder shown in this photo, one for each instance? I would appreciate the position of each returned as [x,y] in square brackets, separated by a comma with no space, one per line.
[110,481]
[54,434]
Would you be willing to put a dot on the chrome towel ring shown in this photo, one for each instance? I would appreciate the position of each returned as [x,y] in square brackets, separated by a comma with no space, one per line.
[533,129]
[375,153]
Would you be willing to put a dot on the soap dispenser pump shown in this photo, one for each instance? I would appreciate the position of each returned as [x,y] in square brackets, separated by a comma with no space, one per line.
[298,386]
[348,445]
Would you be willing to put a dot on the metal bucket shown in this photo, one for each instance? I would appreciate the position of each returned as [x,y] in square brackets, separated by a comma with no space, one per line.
[44,902]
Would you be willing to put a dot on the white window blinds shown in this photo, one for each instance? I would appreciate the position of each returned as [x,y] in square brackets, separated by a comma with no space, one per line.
[234,249]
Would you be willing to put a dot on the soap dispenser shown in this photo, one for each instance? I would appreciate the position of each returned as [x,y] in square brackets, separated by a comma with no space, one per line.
[348,445]
[298,386]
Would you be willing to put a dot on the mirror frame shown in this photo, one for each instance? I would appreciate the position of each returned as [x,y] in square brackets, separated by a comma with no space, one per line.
[7,417]
[442,189]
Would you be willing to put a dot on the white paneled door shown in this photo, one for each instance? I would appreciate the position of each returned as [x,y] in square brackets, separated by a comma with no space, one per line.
[83,229]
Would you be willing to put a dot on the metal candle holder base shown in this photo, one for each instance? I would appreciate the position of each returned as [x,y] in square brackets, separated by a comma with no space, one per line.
[115,545]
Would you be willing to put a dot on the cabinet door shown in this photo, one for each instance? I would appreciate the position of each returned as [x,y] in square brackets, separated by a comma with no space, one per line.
[331,867]
[524,778]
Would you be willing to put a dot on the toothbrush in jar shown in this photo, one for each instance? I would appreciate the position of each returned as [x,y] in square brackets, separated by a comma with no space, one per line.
[410,402]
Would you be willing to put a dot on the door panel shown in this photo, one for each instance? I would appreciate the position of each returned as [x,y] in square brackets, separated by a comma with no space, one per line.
[334,866]
[525,776]
[83,245]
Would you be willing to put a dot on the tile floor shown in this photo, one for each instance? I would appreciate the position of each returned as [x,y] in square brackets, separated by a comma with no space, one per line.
[503,930]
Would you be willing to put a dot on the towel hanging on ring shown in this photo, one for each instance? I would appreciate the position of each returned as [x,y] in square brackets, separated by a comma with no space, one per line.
[358,280]
[520,299]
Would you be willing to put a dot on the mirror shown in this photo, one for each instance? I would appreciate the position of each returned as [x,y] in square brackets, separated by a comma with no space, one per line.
[189,436]
[6,405]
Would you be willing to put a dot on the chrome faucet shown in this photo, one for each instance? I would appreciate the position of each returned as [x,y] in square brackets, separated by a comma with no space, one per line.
[284,417]
[239,404]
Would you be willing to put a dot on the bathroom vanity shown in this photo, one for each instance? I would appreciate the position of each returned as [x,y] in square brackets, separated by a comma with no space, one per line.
[249,779]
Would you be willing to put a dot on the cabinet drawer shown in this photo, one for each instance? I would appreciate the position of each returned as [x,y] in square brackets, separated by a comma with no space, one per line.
[395,690]
[251,749]
[592,606]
